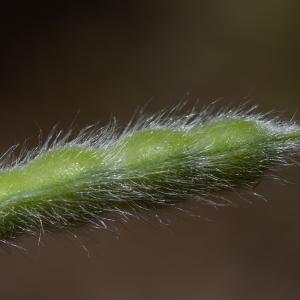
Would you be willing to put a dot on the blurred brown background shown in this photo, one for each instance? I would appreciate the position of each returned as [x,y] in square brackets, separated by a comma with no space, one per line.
[105,59]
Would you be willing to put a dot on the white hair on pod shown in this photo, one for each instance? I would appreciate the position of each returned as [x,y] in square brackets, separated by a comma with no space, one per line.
[126,190]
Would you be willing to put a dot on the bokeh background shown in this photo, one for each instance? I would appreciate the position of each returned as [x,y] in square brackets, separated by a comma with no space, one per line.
[80,62]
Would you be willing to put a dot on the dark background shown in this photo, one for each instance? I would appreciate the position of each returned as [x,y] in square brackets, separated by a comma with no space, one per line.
[105,59]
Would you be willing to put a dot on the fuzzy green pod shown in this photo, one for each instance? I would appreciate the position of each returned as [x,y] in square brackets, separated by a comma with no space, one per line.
[158,160]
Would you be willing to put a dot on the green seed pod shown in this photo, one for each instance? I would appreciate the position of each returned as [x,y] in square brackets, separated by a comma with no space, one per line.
[159,160]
